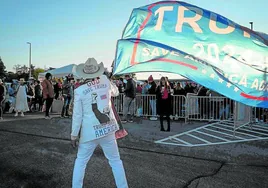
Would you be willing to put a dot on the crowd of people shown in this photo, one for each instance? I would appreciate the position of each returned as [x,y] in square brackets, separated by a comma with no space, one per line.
[156,98]
[33,96]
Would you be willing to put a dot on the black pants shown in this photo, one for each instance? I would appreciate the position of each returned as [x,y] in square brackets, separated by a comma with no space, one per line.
[49,102]
[57,94]
[39,101]
[162,120]
[1,106]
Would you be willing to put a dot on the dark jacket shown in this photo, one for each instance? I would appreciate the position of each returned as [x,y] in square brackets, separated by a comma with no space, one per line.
[180,91]
[163,106]
[2,91]
[130,90]
[152,90]
[66,88]
[38,91]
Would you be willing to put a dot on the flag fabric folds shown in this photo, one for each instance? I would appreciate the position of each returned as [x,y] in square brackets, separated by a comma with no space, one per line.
[177,37]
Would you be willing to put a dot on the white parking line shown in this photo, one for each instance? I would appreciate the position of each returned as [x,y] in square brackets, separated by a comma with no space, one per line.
[213,136]
[244,133]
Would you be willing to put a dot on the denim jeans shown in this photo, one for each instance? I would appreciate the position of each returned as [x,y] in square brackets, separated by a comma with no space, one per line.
[153,107]
[66,104]
[128,107]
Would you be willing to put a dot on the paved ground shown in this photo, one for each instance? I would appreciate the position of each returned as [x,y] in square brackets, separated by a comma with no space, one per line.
[37,153]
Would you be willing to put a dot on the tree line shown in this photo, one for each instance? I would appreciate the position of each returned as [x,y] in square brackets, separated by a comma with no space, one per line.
[21,71]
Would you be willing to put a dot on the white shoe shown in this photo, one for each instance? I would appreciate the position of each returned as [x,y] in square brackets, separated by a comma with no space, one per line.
[22,114]
[153,118]
[1,119]
[11,109]
[16,115]
[47,117]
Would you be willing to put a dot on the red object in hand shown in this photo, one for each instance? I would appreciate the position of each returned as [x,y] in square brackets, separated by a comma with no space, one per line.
[120,133]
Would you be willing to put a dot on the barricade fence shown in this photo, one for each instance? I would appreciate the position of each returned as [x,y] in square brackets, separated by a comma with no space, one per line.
[191,108]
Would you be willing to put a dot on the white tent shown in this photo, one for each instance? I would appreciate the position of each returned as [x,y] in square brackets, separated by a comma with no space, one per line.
[158,75]
[60,72]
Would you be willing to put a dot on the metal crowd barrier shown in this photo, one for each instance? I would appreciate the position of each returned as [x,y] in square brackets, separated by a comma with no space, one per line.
[260,115]
[190,108]
[209,108]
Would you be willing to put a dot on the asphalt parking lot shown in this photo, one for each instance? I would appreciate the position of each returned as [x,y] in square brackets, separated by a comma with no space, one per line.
[36,153]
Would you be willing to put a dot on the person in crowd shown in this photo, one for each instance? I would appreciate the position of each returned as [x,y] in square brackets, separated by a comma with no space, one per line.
[171,84]
[56,89]
[145,101]
[30,95]
[2,98]
[139,89]
[179,102]
[6,96]
[152,91]
[139,100]
[77,83]
[12,98]
[163,93]
[48,93]
[93,115]
[11,90]
[179,90]
[21,105]
[66,94]
[38,96]
[121,85]
[145,87]
[72,87]
[188,88]
[130,95]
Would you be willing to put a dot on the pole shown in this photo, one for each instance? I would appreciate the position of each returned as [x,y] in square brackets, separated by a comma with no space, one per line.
[251,25]
[30,60]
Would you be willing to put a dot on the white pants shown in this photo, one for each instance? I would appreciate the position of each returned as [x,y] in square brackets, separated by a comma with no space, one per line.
[110,149]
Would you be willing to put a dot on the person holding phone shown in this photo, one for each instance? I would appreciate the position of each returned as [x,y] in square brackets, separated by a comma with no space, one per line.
[163,95]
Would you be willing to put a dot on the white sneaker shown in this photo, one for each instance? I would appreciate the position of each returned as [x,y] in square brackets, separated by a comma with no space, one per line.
[153,118]
[16,115]
[47,117]
[11,109]
[1,119]
[22,114]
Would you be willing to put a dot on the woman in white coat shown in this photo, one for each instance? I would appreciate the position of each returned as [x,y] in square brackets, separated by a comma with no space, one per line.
[21,99]
[94,122]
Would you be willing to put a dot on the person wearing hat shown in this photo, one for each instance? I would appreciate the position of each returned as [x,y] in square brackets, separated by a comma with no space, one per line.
[48,93]
[94,122]
[21,99]
[2,98]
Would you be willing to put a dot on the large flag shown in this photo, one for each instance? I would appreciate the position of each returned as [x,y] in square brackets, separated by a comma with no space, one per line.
[177,37]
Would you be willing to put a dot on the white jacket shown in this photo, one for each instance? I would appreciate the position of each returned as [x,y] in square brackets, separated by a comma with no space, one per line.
[93,116]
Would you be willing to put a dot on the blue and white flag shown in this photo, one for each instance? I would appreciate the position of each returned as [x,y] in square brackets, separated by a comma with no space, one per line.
[203,46]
